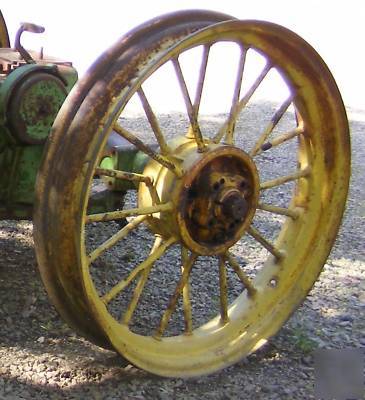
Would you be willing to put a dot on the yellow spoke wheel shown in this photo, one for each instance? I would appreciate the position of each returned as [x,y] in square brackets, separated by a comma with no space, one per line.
[197,193]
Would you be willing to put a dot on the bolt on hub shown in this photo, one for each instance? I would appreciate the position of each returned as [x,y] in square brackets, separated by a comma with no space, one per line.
[217,200]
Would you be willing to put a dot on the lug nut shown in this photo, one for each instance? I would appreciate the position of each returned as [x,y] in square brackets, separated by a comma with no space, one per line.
[234,206]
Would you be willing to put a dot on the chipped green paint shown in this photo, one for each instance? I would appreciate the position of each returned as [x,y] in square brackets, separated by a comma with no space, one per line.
[30,98]
[37,103]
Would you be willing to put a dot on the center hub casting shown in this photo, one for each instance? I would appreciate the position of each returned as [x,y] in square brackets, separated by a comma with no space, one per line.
[215,200]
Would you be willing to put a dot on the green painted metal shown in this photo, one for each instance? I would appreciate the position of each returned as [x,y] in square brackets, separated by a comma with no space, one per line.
[30,97]
[34,106]
[127,159]
[21,164]
[22,73]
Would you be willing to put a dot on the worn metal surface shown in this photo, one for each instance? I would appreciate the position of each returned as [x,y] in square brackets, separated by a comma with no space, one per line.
[90,114]
[218,199]
[20,166]
[11,59]
[215,199]
[34,105]
[30,97]
[26,27]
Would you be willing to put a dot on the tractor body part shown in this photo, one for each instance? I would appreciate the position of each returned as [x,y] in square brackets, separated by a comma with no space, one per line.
[33,107]
[26,27]
[30,98]
[119,154]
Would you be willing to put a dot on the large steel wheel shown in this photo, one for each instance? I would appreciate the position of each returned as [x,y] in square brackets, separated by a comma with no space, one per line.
[4,36]
[62,282]
[236,219]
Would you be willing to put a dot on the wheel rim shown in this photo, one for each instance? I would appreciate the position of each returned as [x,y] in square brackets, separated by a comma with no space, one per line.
[294,259]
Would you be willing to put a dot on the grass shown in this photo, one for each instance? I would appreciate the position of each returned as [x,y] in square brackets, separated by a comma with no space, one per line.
[302,341]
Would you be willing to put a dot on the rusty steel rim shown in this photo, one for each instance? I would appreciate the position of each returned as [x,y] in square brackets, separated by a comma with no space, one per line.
[167,203]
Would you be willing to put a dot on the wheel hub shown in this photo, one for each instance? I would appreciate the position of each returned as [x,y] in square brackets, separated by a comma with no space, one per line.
[231,207]
[217,200]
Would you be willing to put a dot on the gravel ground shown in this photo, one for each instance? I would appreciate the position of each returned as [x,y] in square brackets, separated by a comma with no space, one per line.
[40,357]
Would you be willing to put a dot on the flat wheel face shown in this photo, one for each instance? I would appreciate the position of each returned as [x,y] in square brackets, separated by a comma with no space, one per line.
[234,214]
[4,36]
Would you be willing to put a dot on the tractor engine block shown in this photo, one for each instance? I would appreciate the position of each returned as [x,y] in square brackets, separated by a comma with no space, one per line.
[32,90]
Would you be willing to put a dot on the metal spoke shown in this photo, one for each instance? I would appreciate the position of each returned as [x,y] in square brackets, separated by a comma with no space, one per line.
[268,246]
[236,97]
[281,139]
[246,281]
[117,174]
[189,106]
[175,297]
[284,179]
[242,103]
[270,127]
[223,290]
[186,294]
[146,264]
[112,241]
[131,176]
[201,79]
[153,122]
[294,214]
[115,215]
[161,159]
[140,286]
[254,87]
